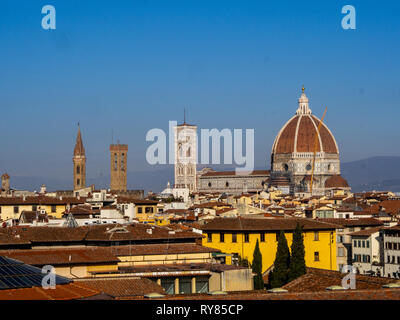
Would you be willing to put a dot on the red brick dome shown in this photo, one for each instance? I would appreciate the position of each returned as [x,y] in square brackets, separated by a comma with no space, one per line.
[298,134]
[336,181]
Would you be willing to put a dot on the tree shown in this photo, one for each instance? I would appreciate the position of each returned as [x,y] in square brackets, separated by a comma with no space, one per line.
[297,265]
[243,262]
[257,268]
[279,275]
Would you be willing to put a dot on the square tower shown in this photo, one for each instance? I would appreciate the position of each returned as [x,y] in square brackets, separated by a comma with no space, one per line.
[119,156]
[185,140]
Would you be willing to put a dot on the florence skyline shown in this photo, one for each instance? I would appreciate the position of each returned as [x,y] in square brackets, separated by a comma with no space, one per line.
[232,65]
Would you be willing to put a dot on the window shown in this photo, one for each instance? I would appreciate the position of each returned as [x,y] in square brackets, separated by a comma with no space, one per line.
[262,237]
[16,209]
[235,259]
[234,237]
[221,237]
[209,237]
[34,208]
[246,237]
[316,236]
[53,209]
[115,161]
[139,210]
[355,243]
[201,284]
[227,184]
[339,239]
[122,162]
[367,243]
[316,256]
[149,209]
[78,181]
[340,253]
[363,243]
[185,285]
[169,285]
[78,169]
[359,243]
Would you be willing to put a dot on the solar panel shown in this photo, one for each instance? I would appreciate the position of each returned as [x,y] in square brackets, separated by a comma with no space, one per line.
[15,274]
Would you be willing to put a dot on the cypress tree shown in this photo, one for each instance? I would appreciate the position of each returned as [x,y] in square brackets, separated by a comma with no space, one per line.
[256,267]
[279,274]
[297,262]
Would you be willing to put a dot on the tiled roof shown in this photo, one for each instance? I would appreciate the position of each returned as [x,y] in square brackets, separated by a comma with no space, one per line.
[366,232]
[318,280]
[97,233]
[69,291]
[153,249]
[136,231]
[123,286]
[70,256]
[40,200]
[359,222]
[248,224]
[233,173]
[368,294]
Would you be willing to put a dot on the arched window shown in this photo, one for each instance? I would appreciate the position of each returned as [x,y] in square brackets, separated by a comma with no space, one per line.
[78,169]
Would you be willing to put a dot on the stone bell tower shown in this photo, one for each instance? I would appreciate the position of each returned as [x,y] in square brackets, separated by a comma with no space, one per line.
[79,161]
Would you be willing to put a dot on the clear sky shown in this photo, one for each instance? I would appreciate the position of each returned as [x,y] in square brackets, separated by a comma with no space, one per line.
[130,66]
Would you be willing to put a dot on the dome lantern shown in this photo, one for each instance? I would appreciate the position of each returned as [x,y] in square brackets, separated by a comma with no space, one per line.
[303,104]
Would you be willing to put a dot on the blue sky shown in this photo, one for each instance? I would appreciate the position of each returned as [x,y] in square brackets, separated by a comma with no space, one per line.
[130,66]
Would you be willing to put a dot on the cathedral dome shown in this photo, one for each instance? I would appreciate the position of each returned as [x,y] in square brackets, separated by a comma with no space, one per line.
[336,181]
[298,134]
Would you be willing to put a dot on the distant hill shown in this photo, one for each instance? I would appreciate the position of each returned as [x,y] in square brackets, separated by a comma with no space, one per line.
[376,173]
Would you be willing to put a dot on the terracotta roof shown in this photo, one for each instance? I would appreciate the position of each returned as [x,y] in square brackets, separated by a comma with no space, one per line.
[69,291]
[336,181]
[137,231]
[123,286]
[70,256]
[368,294]
[97,233]
[123,199]
[302,129]
[38,200]
[249,224]
[366,232]
[233,173]
[359,222]
[392,207]
[319,279]
[155,249]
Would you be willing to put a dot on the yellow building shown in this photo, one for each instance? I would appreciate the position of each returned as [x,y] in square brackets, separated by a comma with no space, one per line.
[238,237]
[12,207]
